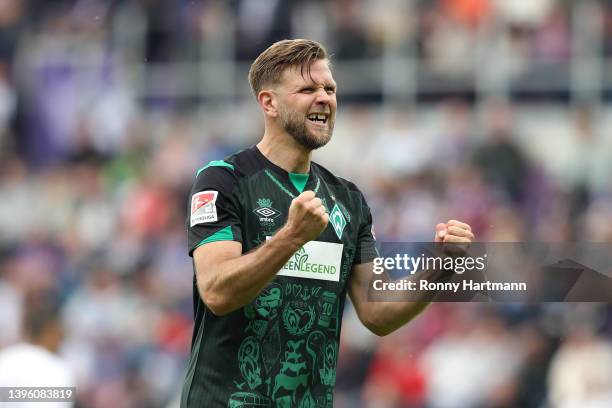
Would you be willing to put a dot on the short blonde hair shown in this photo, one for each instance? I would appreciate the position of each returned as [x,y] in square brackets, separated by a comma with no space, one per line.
[269,66]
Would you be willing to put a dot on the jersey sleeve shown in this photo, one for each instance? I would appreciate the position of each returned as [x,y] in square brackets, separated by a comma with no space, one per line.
[214,213]
[366,241]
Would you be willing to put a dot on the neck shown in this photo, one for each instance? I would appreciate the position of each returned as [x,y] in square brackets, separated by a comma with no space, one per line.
[282,150]
[46,342]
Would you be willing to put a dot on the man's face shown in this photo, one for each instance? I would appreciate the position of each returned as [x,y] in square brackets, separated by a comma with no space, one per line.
[307,104]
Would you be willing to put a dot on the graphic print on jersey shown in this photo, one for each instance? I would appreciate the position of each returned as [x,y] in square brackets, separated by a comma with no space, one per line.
[288,358]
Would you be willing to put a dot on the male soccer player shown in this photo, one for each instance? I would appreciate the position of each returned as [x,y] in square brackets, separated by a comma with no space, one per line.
[277,241]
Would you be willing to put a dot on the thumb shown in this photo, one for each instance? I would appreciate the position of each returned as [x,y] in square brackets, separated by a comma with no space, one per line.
[440,232]
[307,195]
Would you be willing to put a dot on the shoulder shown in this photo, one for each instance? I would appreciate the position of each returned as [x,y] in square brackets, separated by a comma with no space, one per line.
[341,183]
[16,364]
[241,164]
[229,169]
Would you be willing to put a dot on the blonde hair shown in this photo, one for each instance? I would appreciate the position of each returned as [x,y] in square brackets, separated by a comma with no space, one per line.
[269,66]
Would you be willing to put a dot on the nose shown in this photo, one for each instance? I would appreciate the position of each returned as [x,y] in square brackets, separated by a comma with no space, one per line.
[322,97]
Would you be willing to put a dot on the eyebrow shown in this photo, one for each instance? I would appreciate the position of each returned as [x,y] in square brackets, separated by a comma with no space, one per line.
[315,84]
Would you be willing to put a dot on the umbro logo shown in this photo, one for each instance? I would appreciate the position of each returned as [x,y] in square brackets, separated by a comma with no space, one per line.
[266,212]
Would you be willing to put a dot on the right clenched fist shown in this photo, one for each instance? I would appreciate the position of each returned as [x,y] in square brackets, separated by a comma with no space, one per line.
[307,217]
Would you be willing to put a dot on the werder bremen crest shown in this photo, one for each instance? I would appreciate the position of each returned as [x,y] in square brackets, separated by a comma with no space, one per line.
[265,212]
[337,220]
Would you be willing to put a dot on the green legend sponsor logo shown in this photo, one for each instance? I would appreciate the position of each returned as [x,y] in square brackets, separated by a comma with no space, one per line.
[315,260]
[299,262]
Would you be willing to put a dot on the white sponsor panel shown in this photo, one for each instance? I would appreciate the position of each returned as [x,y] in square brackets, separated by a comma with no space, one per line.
[315,260]
[203,207]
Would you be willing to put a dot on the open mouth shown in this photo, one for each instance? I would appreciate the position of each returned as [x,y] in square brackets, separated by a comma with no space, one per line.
[318,118]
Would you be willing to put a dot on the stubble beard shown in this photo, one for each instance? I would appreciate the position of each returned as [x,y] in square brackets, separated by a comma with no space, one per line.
[295,125]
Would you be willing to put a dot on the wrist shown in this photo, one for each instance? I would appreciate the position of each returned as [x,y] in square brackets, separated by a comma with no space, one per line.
[289,238]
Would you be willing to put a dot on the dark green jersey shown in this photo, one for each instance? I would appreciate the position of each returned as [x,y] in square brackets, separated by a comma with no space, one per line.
[281,349]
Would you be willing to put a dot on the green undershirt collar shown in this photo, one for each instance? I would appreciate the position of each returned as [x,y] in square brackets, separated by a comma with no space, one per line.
[299,180]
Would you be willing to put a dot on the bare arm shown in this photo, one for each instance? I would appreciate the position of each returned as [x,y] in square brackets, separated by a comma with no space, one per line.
[382,318]
[228,280]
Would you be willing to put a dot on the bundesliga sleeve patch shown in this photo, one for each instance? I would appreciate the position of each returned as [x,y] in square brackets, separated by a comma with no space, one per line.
[203,208]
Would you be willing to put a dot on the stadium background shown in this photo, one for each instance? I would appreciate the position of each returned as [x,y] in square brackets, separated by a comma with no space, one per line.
[491,111]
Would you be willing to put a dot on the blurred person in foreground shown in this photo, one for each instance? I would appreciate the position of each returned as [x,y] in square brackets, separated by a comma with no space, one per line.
[35,362]
[277,242]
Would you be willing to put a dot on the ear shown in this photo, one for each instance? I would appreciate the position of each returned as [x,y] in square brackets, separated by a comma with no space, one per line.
[268,102]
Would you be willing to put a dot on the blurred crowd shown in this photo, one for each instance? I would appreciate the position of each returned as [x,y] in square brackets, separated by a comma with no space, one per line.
[95,175]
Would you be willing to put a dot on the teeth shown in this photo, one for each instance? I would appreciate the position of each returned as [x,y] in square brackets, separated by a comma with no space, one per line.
[318,117]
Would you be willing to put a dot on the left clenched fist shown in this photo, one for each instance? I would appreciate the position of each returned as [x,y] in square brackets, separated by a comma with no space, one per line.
[454,232]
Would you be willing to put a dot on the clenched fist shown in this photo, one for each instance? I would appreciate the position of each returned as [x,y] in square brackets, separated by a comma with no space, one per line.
[307,217]
[456,233]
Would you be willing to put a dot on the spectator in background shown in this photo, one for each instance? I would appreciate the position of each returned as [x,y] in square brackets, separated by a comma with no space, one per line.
[473,364]
[34,363]
[500,158]
[11,14]
[537,348]
[468,12]
[552,42]
[10,311]
[581,372]
[349,34]
[260,22]
[523,13]
[607,27]
[448,45]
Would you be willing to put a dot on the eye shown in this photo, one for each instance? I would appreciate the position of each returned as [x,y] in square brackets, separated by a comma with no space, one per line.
[307,90]
[330,90]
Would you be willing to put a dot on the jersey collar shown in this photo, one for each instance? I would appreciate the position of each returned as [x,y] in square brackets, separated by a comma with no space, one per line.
[282,176]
